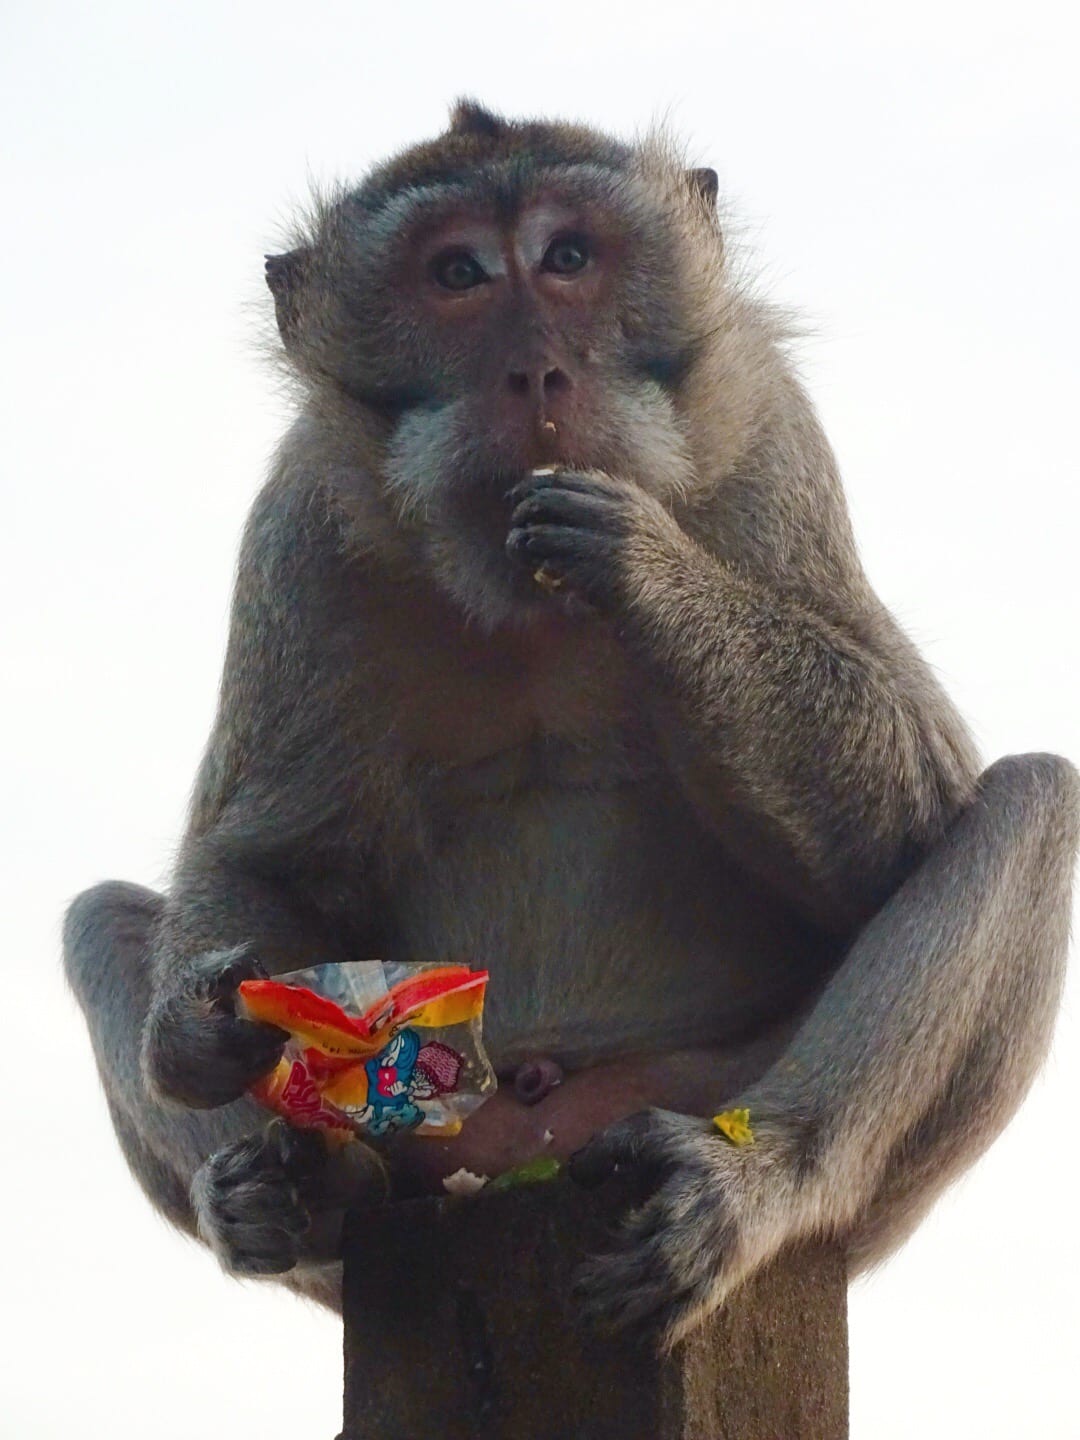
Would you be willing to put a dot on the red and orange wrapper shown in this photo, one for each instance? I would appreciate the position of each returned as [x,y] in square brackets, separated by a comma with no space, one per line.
[374,1048]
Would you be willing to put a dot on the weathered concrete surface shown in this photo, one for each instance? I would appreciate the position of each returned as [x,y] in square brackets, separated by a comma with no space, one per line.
[459,1325]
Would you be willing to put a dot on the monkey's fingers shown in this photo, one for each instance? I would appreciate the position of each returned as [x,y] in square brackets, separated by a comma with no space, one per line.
[204,1056]
[554,542]
[608,1289]
[265,1205]
[666,1265]
[580,482]
[567,507]
[248,1047]
[217,979]
[651,1280]
[217,974]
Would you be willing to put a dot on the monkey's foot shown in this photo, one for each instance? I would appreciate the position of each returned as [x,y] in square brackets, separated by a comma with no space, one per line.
[249,1198]
[716,1212]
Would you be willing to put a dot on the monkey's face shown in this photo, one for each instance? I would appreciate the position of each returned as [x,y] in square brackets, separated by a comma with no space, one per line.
[514,319]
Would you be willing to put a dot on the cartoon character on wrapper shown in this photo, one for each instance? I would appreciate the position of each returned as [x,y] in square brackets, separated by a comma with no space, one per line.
[402,1074]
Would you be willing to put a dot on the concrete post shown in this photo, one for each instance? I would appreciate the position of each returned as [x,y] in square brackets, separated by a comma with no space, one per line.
[460,1325]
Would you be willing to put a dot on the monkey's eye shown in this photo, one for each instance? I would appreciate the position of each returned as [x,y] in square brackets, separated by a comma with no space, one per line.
[566,255]
[457,270]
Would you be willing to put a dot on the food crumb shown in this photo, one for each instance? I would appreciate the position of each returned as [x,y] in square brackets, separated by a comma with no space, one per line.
[463,1182]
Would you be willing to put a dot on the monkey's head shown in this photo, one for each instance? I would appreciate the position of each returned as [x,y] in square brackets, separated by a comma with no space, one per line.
[507,296]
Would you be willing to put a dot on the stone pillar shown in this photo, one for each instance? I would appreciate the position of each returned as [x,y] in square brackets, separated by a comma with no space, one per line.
[460,1325]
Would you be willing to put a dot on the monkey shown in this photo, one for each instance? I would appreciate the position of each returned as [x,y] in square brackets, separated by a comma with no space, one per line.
[550,647]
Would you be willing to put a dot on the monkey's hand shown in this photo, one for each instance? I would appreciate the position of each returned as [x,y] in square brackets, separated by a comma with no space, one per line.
[268,1201]
[715,1213]
[195,1048]
[588,531]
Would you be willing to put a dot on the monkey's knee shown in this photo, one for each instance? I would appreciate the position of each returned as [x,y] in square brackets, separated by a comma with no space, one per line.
[1007,863]
[106,939]
[1036,795]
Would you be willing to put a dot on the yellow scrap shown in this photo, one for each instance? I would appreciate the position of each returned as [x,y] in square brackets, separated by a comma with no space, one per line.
[734,1125]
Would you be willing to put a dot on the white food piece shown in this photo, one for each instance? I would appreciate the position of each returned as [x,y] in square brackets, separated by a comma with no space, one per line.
[464,1182]
[543,470]
[548,1137]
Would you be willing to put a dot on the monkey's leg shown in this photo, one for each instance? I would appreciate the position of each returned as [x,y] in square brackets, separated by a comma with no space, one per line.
[263,1197]
[919,1050]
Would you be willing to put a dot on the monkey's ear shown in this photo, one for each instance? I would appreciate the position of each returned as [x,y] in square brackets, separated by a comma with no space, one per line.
[285,274]
[706,182]
[470,118]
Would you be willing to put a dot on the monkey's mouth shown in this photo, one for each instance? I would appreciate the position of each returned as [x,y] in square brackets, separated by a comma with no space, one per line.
[540,1110]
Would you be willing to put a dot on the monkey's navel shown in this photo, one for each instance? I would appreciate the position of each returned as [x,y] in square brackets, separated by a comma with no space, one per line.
[536,1079]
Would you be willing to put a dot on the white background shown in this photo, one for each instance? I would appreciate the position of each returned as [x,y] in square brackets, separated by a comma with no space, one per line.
[907,174]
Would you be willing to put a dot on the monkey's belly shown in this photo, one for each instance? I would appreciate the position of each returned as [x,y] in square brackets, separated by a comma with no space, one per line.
[506,1131]
[622,942]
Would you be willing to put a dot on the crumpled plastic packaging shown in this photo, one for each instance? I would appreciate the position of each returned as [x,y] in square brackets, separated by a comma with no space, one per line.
[374,1047]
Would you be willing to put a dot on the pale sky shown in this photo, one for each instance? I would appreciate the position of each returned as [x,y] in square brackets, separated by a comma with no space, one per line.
[906,175]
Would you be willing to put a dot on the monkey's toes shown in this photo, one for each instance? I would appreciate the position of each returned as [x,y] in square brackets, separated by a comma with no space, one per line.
[666,1268]
[248,1205]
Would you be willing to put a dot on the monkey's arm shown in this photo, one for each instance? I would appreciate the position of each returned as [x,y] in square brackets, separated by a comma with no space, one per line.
[267,876]
[839,759]
[266,1199]
[157,977]
[843,771]
[926,1038]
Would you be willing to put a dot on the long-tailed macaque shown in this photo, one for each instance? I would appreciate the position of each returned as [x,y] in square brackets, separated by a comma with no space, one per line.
[550,650]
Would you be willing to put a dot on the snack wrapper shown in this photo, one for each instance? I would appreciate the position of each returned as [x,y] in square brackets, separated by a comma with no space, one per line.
[375,1047]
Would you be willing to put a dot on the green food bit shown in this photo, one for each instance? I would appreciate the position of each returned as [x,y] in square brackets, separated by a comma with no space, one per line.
[543,1167]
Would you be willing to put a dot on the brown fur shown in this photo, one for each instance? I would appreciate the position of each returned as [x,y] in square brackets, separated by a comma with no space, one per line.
[697,790]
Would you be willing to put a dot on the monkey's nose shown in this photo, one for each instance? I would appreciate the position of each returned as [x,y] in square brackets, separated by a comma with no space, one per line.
[540,384]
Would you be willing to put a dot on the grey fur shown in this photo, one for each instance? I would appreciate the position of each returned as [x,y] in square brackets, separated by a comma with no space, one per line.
[728,804]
